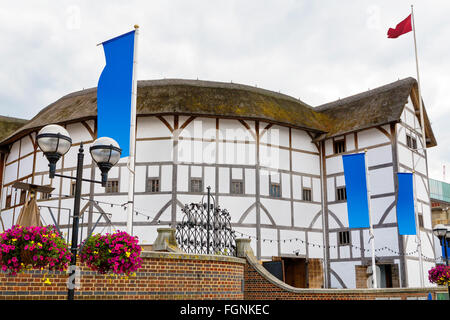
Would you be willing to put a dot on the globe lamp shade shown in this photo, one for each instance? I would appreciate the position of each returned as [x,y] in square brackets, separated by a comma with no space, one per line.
[440,230]
[106,153]
[54,141]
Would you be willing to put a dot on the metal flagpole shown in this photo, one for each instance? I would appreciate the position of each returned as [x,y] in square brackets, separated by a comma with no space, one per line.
[325,253]
[131,158]
[372,238]
[424,143]
[419,243]
[418,83]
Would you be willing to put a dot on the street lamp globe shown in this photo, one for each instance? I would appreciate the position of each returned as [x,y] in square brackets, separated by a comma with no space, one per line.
[106,153]
[54,141]
[440,230]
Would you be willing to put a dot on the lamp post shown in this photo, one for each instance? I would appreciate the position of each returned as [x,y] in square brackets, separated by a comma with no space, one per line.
[443,234]
[54,141]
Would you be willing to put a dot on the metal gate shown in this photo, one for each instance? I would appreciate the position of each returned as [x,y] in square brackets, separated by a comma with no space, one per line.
[206,229]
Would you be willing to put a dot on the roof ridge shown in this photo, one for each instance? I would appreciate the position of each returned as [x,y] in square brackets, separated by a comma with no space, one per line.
[220,84]
[364,94]
[199,83]
[12,118]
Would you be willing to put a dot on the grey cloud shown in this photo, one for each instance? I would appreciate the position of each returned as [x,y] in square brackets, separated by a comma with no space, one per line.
[314,50]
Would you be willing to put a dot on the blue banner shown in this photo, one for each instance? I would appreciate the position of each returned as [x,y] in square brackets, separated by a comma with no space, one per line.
[356,188]
[114,91]
[406,220]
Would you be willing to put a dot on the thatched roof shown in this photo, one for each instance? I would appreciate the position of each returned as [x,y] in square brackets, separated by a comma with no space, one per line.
[190,97]
[207,98]
[8,125]
[372,108]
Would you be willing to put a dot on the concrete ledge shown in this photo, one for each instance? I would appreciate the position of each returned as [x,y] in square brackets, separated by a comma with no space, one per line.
[190,256]
[245,251]
[253,262]
[166,241]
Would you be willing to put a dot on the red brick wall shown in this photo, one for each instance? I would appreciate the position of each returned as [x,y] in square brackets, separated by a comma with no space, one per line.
[162,276]
[258,287]
[181,276]
[361,277]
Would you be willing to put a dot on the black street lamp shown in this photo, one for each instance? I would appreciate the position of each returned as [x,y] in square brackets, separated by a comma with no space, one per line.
[54,141]
[443,234]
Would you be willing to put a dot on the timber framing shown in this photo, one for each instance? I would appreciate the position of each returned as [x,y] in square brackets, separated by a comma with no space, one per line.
[308,163]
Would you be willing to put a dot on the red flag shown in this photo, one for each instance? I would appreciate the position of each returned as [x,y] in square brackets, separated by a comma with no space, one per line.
[401,28]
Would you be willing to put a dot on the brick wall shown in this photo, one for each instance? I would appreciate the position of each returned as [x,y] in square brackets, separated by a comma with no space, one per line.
[361,277]
[162,276]
[261,285]
[166,275]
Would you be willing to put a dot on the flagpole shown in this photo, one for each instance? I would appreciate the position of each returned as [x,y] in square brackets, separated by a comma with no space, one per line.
[419,242]
[424,143]
[418,83]
[131,158]
[371,235]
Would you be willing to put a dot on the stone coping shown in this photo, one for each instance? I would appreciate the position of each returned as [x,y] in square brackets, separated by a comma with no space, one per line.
[284,286]
[190,256]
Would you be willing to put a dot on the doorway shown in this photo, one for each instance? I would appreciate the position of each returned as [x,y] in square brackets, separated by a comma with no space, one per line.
[291,270]
[386,276]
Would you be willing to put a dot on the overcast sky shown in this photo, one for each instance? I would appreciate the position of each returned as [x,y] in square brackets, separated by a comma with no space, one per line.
[317,51]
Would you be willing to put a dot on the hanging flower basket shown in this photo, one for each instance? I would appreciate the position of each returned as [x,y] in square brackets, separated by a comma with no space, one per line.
[32,247]
[26,256]
[439,275]
[117,253]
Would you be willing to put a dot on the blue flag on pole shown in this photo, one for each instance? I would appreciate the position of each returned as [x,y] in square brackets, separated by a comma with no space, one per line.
[114,91]
[356,188]
[406,219]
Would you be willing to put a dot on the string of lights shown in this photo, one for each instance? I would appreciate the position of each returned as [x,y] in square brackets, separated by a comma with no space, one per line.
[385,248]
[140,211]
[137,211]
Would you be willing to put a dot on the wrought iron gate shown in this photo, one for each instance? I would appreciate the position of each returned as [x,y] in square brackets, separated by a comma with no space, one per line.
[206,229]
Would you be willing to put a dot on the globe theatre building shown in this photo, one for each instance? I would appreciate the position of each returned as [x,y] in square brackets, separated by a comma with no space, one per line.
[271,160]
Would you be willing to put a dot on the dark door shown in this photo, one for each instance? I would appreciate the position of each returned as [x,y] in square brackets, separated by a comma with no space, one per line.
[295,272]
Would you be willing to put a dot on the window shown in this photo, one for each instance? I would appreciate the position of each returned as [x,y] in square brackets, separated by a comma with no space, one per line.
[411,142]
[8,202]
[23,196]
[275,190]
[44,195]
[72,188]
[344,238]
[339,146]
[237,187]
[196,185]
[153,185]
[341,194]
[112,186]
[307,194]
[420,219]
